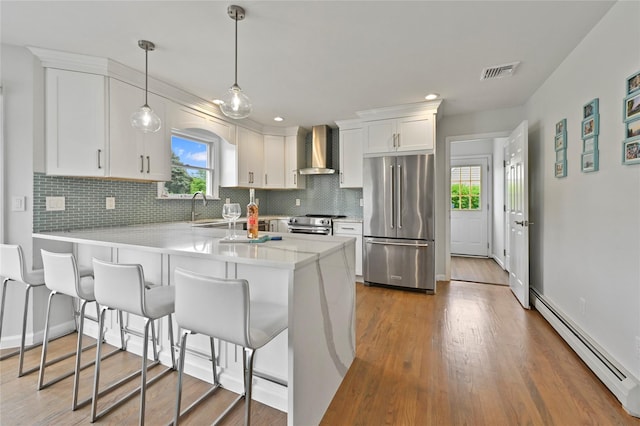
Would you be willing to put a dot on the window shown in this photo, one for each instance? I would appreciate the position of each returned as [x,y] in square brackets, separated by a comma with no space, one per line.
[465,187]
[192,167]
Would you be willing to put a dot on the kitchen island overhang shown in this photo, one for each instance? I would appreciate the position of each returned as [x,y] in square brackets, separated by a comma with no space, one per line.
[301,370]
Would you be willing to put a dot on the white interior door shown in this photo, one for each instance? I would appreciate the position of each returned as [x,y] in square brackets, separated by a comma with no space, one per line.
[470,217]
[517,202]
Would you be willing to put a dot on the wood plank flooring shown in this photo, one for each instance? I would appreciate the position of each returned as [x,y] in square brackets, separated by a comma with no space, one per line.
[469,355]
[479,270]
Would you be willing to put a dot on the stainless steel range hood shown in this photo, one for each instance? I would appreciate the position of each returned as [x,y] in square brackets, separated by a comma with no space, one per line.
[320,152]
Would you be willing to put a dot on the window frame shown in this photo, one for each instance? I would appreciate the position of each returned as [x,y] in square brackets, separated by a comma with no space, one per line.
[213,161]
[480,195]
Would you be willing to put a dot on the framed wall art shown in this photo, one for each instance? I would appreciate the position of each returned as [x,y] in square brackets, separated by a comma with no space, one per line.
[561,141]
[590,109]
[560,169]
[560,146]
[632,107]
[589,161]
[631,152]
[631,119]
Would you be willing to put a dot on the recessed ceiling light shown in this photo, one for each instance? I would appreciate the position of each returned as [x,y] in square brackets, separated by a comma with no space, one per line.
[278,118]
[432,96]
[218,101]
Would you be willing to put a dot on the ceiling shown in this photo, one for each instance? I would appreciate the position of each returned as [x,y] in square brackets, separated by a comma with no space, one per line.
[315,62]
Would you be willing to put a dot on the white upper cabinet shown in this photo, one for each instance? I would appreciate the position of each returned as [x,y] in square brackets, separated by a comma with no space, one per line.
[134,154]
[402,128]
[76,127]
[294,159]
[274,161]
[401,134]
[351,161]
[250,158]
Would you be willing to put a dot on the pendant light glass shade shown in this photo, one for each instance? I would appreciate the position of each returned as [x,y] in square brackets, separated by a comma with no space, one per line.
[235,104]
[145,119]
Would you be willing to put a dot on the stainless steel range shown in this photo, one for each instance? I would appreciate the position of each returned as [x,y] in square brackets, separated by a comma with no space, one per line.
[318,224]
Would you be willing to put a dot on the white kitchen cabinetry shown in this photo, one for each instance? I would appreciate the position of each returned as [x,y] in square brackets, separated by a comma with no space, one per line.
[250,158]
[414,133]
[294,159]
[135,154]
[279,225]
[346,228]
[274,162]
[183,118]
[351,160]
[76,124]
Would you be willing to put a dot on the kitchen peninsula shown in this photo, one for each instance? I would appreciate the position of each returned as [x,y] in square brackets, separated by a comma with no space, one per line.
[299,371]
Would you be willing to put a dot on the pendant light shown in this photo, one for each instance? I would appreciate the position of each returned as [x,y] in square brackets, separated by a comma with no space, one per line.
[235,104]
[145,119]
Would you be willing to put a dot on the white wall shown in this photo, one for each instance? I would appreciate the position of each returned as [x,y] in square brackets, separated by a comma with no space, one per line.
[585,243]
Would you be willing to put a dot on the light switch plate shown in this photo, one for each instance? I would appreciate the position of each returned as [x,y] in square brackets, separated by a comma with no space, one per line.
[18,203]
[55,204]
[227,200]
[110,203]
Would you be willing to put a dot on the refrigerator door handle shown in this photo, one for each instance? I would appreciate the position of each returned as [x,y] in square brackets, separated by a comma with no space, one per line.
[397,244]
[400,191]
[393,198]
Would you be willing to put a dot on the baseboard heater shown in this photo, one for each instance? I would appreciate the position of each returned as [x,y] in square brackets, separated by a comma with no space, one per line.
[621,383]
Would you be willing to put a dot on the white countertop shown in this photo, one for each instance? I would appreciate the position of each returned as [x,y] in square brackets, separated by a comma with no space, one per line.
[293,251]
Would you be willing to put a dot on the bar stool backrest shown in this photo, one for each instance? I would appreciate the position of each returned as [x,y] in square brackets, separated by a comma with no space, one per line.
[213,306]
[119,286]
[12,262]
[61,273]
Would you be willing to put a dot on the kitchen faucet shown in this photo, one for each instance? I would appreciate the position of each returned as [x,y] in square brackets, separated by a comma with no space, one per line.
[193,204]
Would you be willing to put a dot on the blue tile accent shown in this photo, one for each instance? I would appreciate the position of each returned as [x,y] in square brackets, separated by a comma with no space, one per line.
[136,202]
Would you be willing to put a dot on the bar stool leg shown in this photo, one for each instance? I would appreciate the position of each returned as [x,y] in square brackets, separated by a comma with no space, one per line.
[4,297]
[76,379]
[247,355]
[216,381]
[183,350]
[24,331]
[45,342]
[145,348]
[96,375]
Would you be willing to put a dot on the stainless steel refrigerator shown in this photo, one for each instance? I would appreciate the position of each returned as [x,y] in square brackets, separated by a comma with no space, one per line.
[399,225]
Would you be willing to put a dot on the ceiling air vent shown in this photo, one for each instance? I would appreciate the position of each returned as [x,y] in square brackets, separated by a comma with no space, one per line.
[499,71]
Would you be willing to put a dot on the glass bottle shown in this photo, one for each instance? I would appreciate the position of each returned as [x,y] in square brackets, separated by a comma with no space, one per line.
[252,216]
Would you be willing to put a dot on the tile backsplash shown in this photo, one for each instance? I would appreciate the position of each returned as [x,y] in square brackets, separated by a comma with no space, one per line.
[136,202]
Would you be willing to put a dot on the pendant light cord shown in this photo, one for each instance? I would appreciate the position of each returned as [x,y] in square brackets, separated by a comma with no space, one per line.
[146,76]
[236,70]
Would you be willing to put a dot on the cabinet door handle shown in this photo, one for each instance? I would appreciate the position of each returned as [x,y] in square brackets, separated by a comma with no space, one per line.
[348,228]
[141,164]
[341,177]
[148,164]
[398,146]
[394,140]
[295,177]
[99,159]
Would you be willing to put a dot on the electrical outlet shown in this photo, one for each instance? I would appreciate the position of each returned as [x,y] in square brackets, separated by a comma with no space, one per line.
[297,201]
[110,203]
[582,305]
[18,204]
[258,201]
[54,204]
[227,200]
[361,202]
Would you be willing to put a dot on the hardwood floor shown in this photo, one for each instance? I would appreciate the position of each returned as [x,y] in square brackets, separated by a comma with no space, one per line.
[479,270]
[469,355]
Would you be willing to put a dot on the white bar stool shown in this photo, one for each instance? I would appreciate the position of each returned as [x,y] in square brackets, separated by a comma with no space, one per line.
[62,275]
[122,287]
[13,268]
[221,308]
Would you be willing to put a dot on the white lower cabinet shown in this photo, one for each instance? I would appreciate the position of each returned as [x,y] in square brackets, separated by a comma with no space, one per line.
[345,228]
[279,225]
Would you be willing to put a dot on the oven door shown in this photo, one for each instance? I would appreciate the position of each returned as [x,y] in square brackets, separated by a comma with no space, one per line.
[315,230]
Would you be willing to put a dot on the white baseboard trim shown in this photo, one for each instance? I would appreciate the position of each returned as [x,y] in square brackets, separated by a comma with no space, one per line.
[620,382]
[37,337]
[499,262]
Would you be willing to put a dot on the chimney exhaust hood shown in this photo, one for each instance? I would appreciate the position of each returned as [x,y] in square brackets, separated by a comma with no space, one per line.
[320,152]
